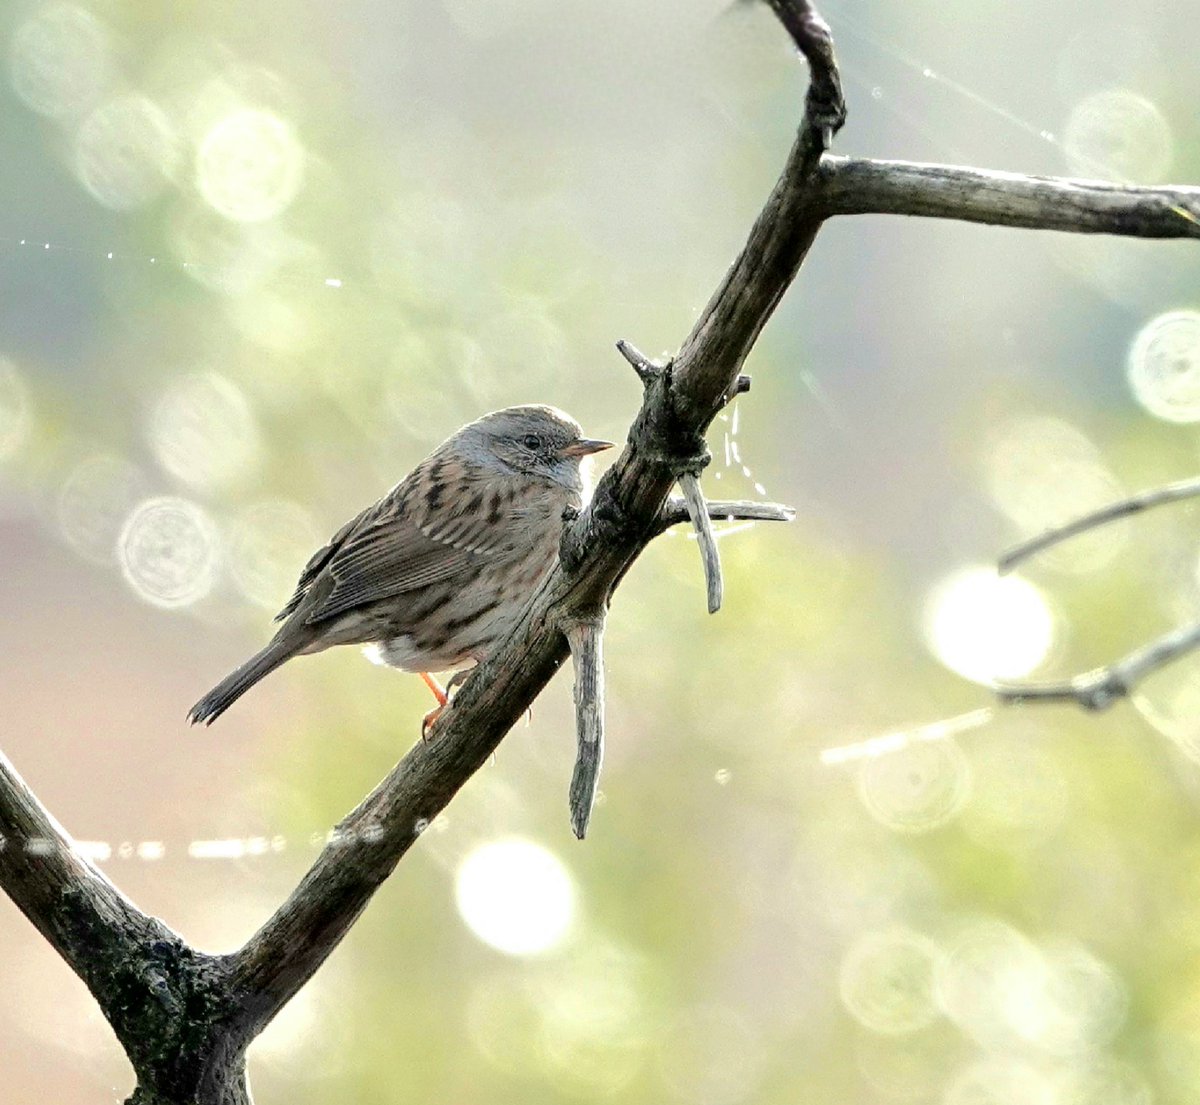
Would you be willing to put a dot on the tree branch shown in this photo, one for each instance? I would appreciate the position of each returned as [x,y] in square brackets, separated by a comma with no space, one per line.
[854,186]
[186,1018]
[626,512]
[65,897]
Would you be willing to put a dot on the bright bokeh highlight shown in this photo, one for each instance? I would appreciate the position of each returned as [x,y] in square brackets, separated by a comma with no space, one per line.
[986,626]
[250,165]
[516,896]
[1164,366]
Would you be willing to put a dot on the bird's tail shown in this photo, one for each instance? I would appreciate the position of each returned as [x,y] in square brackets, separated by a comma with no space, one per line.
[238,682]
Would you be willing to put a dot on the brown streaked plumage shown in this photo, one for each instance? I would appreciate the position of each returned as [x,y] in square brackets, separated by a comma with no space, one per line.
[435,573]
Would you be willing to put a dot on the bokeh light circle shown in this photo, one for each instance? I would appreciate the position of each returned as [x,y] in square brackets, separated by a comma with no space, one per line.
[1042,471]
[886,982]
[988,627]
[126,152]
[59,60]
[1119,135]
[269,543]
[990,980]
[16,412]
[1081,1006]
[918,788]
[94,501]
[250,165]
[1164,366]
[516,896]
[169,552]
[204,433]
[1000,1081]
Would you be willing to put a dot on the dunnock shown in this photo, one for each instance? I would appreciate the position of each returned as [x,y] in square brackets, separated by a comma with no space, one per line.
[435,574]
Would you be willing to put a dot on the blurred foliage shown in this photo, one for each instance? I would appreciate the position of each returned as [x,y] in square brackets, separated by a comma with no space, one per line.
[255,260]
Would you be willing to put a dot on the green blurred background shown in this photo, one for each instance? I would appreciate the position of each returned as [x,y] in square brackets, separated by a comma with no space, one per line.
[256,259]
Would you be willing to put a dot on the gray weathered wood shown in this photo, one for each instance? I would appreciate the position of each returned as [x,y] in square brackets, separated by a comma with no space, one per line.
[586,641]
[698,512]
[186,1018]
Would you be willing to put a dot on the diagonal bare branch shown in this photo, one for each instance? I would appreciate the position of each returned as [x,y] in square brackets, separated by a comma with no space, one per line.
[154,979]
[625,513]
[1123,508]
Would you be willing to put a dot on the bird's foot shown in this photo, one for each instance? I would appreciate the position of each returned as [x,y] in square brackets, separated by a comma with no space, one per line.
[439,692]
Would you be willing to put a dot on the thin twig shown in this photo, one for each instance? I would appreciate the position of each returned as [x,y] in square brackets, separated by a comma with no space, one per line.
[586,638]
[646,369]
[697,509]
[675,511]
[1158,496]
[1100,688]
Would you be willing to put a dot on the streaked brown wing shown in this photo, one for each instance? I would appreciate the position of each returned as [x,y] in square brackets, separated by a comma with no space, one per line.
[322,556]
[404,543]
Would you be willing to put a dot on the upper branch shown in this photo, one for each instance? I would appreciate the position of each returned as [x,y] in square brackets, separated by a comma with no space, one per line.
[858,186]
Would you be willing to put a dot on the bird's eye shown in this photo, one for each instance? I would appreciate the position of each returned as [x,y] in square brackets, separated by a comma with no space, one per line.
[531,442]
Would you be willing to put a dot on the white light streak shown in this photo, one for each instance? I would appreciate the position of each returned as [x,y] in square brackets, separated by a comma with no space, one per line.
[903,738]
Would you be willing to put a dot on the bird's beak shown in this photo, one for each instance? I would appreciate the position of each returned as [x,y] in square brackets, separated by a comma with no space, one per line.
[585,447]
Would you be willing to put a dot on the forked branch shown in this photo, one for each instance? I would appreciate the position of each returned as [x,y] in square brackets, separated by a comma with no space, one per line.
[1100,688]
[186,1018]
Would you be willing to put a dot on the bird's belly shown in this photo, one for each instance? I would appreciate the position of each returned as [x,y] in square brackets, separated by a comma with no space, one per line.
[466,625]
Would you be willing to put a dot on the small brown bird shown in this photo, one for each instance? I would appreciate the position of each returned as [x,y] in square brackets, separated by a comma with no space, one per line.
[436,573]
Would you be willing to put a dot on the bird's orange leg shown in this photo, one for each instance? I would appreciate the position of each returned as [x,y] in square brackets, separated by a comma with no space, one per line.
[442,698]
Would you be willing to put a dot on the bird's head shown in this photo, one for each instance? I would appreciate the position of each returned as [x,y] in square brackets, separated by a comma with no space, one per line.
[542,442]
